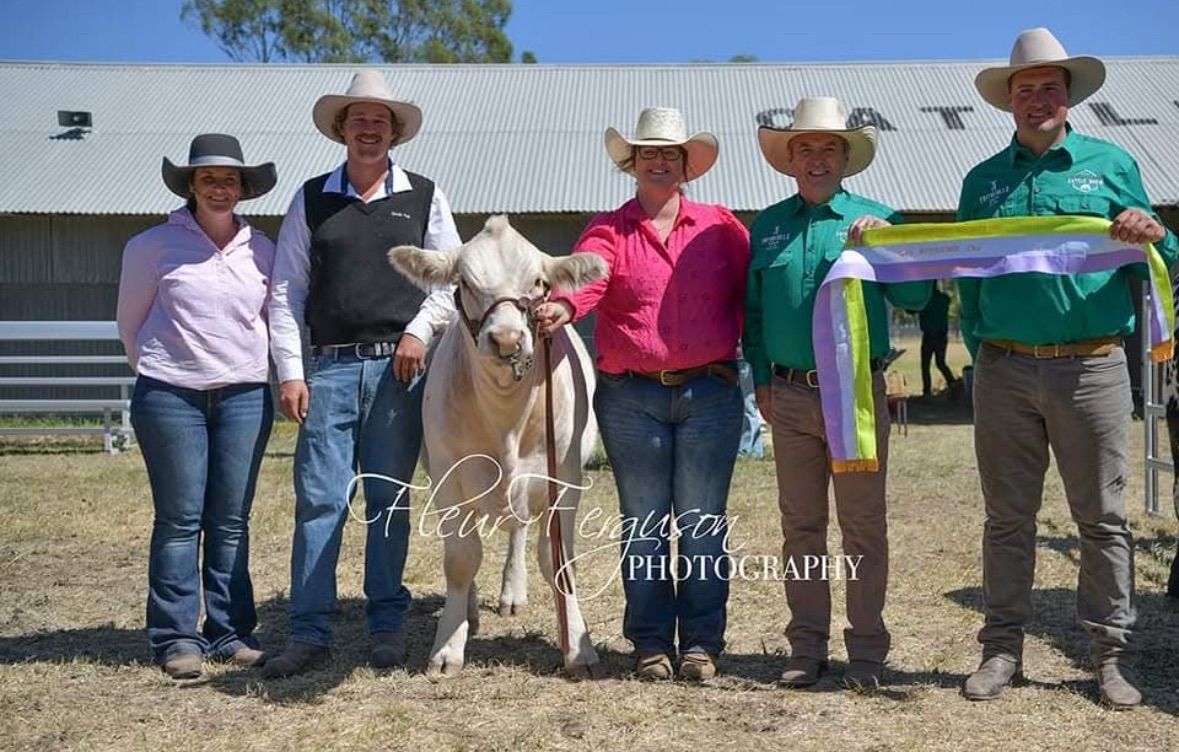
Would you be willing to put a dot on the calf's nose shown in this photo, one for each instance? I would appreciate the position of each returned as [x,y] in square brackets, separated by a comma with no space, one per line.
[507,341]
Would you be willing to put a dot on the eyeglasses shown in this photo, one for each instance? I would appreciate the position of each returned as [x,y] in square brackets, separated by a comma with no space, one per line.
[670,153]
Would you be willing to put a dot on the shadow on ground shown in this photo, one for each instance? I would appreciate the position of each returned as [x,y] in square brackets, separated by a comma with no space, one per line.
[107,645]
[941,409]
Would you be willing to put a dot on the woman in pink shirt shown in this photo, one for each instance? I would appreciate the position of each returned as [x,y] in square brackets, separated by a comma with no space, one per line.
[191,315]
[668,402]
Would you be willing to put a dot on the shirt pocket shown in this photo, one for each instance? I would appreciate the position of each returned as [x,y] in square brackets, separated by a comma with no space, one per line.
[1086,206]
[760,266]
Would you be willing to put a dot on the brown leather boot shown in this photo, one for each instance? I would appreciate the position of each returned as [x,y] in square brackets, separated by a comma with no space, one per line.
[697,667]
[861,674]
[247,657]
[992,675]
[802,672]
[186,665]
[653,667]
[388,649]
[1117,681]
[298,658]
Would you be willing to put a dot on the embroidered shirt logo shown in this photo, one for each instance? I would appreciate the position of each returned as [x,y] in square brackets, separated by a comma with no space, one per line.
[841,235]
[1086,181]
[995,194]
[402,215]
[774,240]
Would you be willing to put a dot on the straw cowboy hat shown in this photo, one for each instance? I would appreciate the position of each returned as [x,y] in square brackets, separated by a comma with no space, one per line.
[818,115]
[1037,48]
[664,126]
[218,150]
[366,86]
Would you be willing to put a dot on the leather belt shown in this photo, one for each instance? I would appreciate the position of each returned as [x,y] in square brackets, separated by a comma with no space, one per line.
[811,378]
[720,369]
[1088,347]
[360,350]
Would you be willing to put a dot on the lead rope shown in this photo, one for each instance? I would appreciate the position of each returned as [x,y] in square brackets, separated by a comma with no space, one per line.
[556,542]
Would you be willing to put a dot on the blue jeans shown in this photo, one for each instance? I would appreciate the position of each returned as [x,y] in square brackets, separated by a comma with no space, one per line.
[202,450]
[360,419]
[672,450]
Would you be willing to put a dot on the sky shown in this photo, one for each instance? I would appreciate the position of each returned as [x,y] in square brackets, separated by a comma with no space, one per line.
[634,31]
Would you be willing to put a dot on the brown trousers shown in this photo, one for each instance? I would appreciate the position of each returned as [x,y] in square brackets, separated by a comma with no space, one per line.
[1080,407]
[804,474]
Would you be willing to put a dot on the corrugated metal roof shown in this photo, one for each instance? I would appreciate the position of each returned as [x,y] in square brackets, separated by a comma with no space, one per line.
[528,138]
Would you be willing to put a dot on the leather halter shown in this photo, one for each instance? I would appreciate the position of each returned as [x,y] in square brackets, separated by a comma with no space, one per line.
[524,304]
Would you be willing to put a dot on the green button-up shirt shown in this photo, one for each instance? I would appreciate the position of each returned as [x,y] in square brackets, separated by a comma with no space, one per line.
[794,244]
[1081,175]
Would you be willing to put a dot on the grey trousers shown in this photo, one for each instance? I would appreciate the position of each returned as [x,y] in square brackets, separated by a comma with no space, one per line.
[1080,407]
[803,464]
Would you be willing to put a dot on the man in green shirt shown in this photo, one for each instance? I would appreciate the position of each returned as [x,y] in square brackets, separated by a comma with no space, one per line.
[1050,368]
[794,243]
[935,332]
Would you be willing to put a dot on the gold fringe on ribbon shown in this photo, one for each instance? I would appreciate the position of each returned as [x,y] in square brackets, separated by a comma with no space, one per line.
[855,466]
[1162,352]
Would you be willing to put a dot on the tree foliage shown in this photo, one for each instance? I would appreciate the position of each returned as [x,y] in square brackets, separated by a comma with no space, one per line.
[355,31]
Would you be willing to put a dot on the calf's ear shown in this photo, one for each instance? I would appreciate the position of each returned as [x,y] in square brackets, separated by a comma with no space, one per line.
[428,269]
[573,272]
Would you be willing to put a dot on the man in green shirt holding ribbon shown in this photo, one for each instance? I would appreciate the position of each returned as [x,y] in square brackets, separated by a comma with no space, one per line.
[794,244]
[1050,370]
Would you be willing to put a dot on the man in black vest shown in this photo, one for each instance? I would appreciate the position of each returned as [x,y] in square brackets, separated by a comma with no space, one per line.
[357,398]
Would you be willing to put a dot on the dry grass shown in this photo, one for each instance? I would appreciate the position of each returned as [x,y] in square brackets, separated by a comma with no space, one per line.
[75,671]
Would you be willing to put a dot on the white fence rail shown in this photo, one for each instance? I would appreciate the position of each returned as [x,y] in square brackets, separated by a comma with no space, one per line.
[1154,409]
[114,430]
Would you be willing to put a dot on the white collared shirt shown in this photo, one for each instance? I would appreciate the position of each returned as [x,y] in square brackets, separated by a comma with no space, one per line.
[293,262]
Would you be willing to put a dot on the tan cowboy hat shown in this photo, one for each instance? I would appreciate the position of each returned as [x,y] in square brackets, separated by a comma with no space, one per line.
[366,86]
[818,115]
[664,126]
[1037,48]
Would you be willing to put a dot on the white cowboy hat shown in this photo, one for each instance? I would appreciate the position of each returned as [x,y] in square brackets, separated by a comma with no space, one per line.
[366,86]
[664,126]
[1037,48]
[818,115]
[218,150]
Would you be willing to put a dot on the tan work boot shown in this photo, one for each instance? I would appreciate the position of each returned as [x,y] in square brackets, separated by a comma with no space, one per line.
[802,672]
[296,659]
[1116,681]
[185,665]
[863,674]
[247,657]
[992,675]
[388,649]
[697,667]
[653,667]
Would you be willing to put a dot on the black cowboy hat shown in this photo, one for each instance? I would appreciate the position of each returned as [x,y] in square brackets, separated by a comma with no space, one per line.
[218,150]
